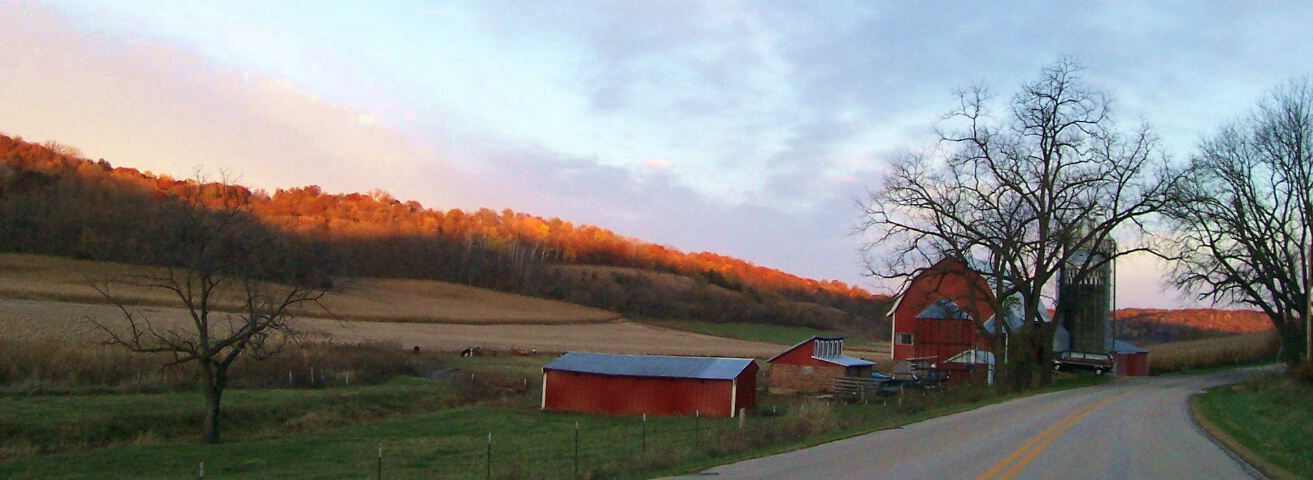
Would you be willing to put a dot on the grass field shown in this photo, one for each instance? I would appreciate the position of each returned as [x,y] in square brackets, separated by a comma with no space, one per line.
[437,426]
[337,433]
[1271,417]
[777,334]
[37,277]
[49,297]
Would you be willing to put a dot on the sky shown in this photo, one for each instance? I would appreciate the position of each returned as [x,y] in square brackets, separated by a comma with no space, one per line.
[746,128]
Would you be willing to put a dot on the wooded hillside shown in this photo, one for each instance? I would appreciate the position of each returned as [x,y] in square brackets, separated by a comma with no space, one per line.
[55,202]
[1161,326]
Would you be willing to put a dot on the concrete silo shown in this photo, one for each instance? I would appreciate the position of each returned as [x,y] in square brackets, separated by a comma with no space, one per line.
[1085,296]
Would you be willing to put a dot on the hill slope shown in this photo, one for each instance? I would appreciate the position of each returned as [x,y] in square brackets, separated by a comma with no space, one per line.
[54,202]
[43,297]
[39,277]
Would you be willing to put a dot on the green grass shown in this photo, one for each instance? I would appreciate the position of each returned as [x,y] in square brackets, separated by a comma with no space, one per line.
[61,423]
[447,443]
[778,334]
[336,433]
[1271,417]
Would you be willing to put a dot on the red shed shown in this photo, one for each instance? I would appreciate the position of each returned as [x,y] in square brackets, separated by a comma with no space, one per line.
[812,365]
[1132,361]
[649,384]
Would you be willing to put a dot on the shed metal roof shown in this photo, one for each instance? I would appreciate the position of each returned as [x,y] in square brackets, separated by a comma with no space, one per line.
[841,360]
[846,361]
[1119,346]
[702,368]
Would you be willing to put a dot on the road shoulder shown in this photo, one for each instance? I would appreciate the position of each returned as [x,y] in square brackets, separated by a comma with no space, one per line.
[1252,461]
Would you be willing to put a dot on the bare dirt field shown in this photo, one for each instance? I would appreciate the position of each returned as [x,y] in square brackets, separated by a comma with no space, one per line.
[46,296]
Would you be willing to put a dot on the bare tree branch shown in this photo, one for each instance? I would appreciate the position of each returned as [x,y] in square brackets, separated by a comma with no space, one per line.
[1241,219]
[221,271]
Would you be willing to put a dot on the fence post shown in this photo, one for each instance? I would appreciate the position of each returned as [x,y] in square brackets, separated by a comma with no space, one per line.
[202,470]
[488,469]
[743,413]
[697,429]
[576,450]
[380,462]
[644,433]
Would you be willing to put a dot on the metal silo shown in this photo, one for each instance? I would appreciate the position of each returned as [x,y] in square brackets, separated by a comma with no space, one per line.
[1085,296]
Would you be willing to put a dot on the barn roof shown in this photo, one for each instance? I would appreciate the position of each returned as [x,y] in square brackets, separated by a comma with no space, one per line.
[702,368]
[943,309]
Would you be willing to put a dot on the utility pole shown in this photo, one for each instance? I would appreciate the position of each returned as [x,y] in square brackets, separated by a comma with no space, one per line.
[1308,304]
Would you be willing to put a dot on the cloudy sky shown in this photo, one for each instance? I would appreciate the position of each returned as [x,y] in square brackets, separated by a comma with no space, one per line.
[744,128]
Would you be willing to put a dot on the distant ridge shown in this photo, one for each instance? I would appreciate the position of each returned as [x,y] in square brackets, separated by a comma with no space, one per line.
[1160,326]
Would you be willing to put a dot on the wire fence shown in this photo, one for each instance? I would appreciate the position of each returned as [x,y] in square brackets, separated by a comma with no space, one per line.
[592,449]
[573,446]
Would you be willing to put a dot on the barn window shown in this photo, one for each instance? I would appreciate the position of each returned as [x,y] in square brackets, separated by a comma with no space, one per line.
[903,339]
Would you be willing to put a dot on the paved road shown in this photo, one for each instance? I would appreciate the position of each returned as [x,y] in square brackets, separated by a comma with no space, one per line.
[1133,428]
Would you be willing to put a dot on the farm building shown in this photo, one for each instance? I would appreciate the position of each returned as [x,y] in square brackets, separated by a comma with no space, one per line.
[936,327]
[649,384]
[934,318]
[1132,361]
[812,365]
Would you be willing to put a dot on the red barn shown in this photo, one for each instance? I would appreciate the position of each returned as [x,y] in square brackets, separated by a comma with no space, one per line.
[944,320]
[812,365]
[649,384]
[935,318]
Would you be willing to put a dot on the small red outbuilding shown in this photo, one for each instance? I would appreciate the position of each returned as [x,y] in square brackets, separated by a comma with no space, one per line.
[813,364]
[1132,361]
[649,384]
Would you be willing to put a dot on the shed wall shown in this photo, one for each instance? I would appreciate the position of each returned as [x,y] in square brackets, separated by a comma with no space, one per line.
[593,393]
[1132,364]
[801,355]
[804,378]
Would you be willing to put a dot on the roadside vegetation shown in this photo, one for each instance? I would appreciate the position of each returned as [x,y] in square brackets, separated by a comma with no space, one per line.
[1268,420]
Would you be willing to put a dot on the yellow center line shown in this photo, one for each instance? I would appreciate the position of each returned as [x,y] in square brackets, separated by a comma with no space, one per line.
[1032,448]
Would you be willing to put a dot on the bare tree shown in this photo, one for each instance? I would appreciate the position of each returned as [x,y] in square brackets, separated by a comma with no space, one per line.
[240,284]
[1013,194]
[1242,217]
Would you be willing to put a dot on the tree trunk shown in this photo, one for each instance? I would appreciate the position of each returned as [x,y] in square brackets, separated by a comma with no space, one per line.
[1292,342]
[213,387]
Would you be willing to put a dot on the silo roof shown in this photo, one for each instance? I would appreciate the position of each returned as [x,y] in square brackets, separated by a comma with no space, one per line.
[703,368]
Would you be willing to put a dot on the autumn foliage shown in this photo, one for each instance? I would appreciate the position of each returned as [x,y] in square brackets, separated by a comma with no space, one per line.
[53,201]
[1160,326]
